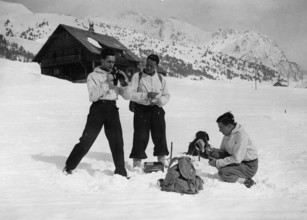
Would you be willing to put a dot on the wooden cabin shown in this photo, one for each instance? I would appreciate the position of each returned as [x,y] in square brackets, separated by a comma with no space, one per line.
[72,53]
[279,83]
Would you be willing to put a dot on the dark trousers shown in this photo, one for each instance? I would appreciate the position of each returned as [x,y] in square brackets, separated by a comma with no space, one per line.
[149,119]
[101,113]
[232,172]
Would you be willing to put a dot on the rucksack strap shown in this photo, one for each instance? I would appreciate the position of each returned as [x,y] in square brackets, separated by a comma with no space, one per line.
[173,160]
[186,168]
[160,77]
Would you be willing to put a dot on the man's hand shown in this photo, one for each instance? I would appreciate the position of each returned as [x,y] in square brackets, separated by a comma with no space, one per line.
[212,162]
[200,145]
[122,78]
[152,95]
[208,150]
[123,83]
[152,98]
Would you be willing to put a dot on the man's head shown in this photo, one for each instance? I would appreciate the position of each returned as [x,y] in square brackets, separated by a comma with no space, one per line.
[152,62]
[226,123]
[107,59]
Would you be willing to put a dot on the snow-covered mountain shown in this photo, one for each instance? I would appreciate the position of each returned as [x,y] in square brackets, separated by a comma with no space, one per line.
[185,49]
[253,47]
[169,30]
[248,45]
[12,8]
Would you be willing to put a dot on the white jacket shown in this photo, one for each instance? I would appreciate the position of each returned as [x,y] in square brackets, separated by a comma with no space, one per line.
[98,84]
[239,146]
[140,89]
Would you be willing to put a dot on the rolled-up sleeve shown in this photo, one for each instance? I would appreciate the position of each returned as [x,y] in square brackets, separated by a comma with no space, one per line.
[137,96]
[125,92]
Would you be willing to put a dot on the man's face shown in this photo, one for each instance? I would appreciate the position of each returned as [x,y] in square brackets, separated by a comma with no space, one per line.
[225,129]
[150,66]
[107,64]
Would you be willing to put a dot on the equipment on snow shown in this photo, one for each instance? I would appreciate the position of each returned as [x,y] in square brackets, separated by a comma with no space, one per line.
[181,177]
[194,149]
[156,166]
[153,167]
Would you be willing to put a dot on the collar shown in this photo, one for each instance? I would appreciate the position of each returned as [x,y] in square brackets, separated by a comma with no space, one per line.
[155,72]
[99,70]
[236,129]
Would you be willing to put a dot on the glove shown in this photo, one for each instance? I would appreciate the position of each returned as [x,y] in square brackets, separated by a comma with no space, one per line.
[200,145]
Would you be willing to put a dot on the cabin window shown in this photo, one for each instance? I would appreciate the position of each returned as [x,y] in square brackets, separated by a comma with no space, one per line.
[56,72]
[54,55]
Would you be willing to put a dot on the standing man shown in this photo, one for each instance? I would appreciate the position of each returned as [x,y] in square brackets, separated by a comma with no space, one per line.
[150,93]
[103,92]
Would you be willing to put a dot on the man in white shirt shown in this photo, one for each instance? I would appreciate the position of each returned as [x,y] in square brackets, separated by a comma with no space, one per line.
[150,93]
[103,92]
[237,158]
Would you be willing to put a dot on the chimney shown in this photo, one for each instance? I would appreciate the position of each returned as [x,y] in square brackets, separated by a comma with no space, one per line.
[91,28]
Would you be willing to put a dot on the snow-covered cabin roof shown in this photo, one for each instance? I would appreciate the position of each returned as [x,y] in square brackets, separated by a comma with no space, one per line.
[82,36]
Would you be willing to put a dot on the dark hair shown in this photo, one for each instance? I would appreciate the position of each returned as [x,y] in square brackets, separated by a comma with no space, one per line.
[226,119]
[154,57]
[107,52]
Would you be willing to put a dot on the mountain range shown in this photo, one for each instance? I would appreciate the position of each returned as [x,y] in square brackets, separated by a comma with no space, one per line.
[185,49]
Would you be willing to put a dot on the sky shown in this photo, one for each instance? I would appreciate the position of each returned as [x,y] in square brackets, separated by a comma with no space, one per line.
[284,21]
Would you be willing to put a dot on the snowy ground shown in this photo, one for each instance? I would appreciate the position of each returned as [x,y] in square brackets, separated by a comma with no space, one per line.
[43,117]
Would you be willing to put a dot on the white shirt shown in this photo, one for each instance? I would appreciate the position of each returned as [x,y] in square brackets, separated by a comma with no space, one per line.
[98,84]
[239,145]
[147,83]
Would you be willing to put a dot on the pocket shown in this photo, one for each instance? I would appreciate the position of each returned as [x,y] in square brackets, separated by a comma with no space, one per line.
[160,111]
[116,108]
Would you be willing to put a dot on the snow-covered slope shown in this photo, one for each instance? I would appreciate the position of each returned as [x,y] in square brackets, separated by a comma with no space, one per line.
[13,8]
[42,118]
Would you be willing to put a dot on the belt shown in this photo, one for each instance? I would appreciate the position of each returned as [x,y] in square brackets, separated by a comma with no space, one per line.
[146,106]
[106,101]
[249,161]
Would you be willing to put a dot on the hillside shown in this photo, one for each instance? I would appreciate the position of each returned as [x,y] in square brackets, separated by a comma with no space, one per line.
[185,50]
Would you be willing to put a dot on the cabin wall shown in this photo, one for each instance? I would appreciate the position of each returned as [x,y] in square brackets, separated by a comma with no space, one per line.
[63,49]
[65,57]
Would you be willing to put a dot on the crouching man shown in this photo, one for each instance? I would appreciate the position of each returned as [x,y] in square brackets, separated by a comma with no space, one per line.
[237,158]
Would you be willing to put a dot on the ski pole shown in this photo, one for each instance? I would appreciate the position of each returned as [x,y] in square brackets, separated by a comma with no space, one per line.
[171,151]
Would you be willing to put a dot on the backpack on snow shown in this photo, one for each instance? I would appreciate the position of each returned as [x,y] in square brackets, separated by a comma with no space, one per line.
[132,103]
[192,150]
[181,177]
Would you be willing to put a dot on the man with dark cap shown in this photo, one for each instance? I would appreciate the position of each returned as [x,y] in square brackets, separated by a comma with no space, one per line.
[150,93]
